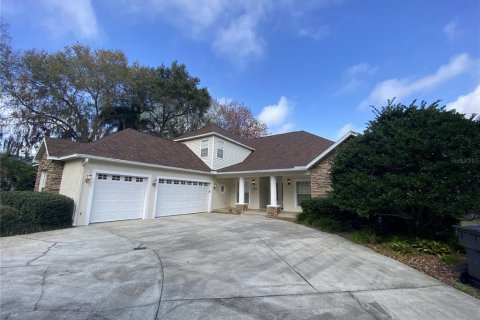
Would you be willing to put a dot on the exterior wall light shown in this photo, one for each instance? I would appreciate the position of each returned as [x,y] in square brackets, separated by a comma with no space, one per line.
[288,181]
[88,177]
[215,185]
[253,182]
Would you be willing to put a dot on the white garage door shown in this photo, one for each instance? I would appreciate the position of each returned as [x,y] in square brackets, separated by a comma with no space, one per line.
[118,197]
[181,197]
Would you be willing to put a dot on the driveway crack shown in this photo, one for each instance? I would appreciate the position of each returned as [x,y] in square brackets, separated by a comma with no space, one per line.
[44,280]
[374,309]
[281,258]
[43,253]
[161,284]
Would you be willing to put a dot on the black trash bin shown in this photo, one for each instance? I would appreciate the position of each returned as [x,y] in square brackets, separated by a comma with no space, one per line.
[469,237]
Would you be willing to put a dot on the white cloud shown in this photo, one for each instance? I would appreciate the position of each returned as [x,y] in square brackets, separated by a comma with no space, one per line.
[351,77]
[277,116]
[467,104]
[70,17]
[402,88]
[240,41]
[451,30]
[345,129]
[361,68]
[316,34]
[232,27]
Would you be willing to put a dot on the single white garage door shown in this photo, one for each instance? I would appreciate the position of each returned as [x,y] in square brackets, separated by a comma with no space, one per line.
[181,197]
[118,197]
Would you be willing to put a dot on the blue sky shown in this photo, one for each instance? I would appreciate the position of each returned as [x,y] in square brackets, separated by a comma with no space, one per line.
[313,65]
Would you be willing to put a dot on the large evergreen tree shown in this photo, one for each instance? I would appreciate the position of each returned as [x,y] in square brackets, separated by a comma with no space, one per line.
[420,163]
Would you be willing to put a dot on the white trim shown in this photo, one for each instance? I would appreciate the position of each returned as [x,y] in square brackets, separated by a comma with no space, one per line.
[237,194]
[142,164]
[122,173]
[333,146]
[296,169]
[295,203]
[44,143]
[208,173]
[213,134]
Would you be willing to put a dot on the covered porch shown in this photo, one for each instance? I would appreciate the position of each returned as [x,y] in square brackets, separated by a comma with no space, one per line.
[274,193]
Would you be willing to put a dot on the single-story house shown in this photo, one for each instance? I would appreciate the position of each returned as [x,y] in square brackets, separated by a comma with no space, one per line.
[133,175]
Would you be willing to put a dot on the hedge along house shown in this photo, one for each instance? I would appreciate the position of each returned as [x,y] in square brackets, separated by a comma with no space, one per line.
[132,175]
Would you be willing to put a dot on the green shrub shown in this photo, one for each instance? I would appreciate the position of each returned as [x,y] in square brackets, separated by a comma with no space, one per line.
[399,246]
[450,258]
[324,215]
[432,247]
[327,224]
[364,236]
[34,211]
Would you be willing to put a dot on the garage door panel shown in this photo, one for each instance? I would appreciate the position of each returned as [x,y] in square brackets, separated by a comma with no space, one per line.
[181,197]
[118,199]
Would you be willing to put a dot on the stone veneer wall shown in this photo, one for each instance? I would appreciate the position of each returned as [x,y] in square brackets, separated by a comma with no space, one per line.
[321,181]
[54,169]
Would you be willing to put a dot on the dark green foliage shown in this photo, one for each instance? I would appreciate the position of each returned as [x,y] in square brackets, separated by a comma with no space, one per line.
[364,236]
[34,211]
[16,174]
[322,214]
[408,246]
[420,164]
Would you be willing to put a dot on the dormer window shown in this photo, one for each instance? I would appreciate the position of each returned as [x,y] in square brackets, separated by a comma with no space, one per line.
[204,149]
[220,145]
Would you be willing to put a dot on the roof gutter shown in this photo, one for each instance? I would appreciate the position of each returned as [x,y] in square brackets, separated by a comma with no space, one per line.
[295,169]
[142,164]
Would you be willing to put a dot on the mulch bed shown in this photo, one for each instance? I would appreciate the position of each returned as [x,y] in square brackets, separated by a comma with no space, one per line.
[433,266]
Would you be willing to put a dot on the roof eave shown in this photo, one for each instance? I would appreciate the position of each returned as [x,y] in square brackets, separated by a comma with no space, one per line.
[295,169]
[331,148]
[137,163]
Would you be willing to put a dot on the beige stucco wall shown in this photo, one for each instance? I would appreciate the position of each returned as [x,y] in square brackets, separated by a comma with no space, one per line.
[221,200]
[109,167]
[71,180]
[289,193]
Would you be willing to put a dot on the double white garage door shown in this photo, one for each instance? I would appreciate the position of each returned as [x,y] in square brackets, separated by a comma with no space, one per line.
[121,197]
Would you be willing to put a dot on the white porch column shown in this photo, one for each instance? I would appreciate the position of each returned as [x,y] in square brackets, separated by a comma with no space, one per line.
[241,191]
[273,190]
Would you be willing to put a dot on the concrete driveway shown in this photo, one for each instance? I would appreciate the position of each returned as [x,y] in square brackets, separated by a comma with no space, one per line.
[213,266]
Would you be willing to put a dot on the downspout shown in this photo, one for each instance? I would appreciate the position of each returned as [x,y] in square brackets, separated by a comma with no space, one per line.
[80,189]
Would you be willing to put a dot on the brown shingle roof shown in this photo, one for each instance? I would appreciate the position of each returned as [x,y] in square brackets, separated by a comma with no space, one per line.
[282,151]
[131,145]
[213,128]
[60,147]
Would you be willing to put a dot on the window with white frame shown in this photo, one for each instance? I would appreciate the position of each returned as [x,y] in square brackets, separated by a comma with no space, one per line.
[303,191]
[220,146]
[204,149]
[43,180]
